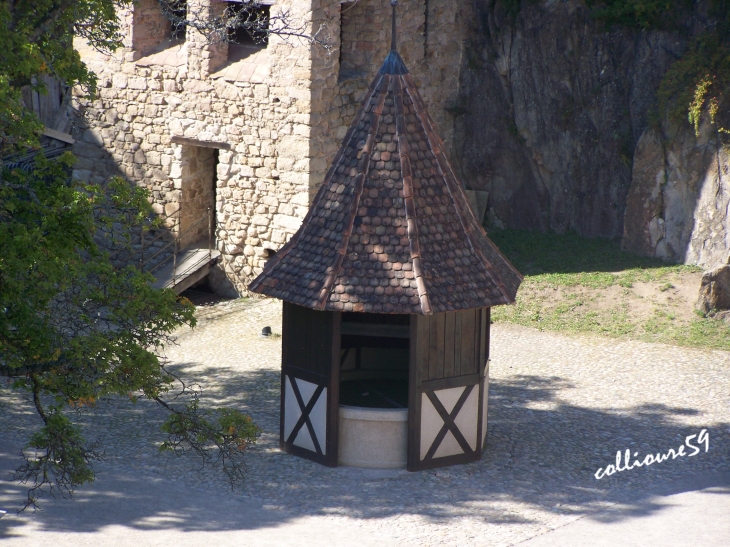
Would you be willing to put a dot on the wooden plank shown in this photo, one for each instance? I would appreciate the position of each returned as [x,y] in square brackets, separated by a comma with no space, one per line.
[58,135]
[418,365]
[285,333]
[488,331]
[297,337]
[44,102]
[467,342]
[320,340]
[436,347]
[305,374]
[203,144]
[424,337]
[484,324]
[285,341]
[311,326]
[446,383]
[52,100]
[457,343]
[480,408]
[477,336]
[27,94]
[189,261]
[35,103]
[370,329]
[449,461]
[449,344]
[333,392]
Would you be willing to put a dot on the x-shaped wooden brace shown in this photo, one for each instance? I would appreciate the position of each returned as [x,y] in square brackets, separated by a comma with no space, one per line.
[304,418]
[449,424]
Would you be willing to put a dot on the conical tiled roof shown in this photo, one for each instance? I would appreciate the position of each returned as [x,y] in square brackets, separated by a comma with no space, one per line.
[390,230]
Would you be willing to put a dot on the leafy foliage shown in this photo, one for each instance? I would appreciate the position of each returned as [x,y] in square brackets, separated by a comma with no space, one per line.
[190,428]
[697,82]
[73,328]
[642,14]
[61,460]
[35,38]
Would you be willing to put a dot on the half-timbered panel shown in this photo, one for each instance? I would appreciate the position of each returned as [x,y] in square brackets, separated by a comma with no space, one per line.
[310,383]
[447,403]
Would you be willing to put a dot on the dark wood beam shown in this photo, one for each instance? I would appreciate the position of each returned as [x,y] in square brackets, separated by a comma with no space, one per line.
[202,144]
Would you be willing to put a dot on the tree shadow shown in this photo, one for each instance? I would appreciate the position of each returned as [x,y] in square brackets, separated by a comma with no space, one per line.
[542,454]
[535,253]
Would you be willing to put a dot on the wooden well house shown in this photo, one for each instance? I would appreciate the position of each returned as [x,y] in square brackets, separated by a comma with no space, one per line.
[387,289]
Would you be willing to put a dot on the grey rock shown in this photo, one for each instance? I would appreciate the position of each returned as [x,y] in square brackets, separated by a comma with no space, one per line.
[679,197]
[715,289]
[722,316]
[555,106]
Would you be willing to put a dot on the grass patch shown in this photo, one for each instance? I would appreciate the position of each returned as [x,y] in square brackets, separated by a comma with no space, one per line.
[578,285]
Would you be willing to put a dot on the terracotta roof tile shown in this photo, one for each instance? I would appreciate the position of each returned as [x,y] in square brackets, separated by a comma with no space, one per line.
[390,230]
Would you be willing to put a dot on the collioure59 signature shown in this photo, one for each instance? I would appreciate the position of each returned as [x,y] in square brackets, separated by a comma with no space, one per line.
[702,438]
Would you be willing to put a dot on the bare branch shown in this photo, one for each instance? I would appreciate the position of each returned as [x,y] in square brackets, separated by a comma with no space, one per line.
[248,16]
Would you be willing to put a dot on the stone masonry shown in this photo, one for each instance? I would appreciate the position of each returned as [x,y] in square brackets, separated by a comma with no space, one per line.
[250,131]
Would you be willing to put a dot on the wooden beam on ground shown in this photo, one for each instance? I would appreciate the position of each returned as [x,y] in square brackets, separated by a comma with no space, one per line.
[58,135]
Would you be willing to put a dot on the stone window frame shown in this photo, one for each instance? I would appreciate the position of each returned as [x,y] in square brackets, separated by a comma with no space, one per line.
[233,47]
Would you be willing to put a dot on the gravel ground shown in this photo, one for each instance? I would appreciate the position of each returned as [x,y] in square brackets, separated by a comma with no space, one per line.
[560,408]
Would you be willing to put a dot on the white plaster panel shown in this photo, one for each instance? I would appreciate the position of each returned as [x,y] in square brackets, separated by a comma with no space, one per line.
[306,389]
[304,439]
[448,447]
[467,420]
[291,408]
[449,397]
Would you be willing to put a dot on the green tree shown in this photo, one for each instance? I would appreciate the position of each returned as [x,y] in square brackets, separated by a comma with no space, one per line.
[73,328]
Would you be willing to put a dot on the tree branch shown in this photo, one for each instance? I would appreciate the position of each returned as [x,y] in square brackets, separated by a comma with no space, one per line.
[36,388]
[48,21]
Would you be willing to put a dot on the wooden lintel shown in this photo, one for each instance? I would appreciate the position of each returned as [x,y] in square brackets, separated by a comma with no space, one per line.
[370,329]
[447,383]
[202,144]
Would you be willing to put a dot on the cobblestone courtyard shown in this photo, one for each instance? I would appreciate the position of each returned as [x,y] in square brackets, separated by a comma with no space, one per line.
[560,408]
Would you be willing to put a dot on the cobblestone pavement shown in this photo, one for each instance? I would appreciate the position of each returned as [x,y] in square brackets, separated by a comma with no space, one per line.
[560,408]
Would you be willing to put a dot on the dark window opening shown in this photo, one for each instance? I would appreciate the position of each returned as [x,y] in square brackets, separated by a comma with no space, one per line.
[248,26]
[354,59]
[374,358]
[177,11]
[268,253]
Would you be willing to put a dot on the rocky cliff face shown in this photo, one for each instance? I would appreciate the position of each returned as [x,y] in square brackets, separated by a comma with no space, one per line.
[552,109]
[677,207]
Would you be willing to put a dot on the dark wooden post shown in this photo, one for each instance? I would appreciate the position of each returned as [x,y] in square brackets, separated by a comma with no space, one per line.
[310,383]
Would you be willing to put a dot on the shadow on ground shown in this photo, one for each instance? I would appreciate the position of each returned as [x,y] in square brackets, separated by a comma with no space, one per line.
[541,456]
[536,253]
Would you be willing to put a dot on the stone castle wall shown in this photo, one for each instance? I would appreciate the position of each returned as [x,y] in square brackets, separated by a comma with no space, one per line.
[277,126]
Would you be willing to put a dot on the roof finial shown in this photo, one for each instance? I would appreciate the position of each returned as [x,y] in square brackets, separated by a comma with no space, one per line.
[393,45]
